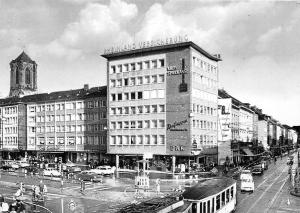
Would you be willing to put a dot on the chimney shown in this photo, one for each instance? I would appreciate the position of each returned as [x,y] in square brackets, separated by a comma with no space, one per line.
[86,87]
[218,56]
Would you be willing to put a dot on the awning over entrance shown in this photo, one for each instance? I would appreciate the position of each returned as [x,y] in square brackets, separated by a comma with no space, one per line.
[248,152]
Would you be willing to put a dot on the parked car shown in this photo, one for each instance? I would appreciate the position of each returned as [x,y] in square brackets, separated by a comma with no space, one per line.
[32,169]
[103,170]
[265,164]
[89,176]
[51,172]
[24,164]
[257,169]
[247,183]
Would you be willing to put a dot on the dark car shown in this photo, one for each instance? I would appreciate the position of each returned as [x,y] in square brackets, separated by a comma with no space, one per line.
[257,169]
[89,176]
[32,170]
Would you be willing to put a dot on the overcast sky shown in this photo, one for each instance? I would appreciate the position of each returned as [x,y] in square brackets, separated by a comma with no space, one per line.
[258,41]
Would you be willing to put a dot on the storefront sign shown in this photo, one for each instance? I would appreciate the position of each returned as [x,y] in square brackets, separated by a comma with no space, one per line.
[176,148]
[173,127]
[172,70]
[146,44]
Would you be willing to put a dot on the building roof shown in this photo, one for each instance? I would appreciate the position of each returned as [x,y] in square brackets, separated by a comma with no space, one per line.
[23,57]
[57,96]
[159,49]
[207,188]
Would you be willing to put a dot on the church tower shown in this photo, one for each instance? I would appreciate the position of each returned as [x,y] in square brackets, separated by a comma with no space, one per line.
[23,76]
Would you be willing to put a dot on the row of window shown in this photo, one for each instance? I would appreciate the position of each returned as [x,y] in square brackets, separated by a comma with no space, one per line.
[10,141]
[132,110]
[217,202]
[69,128]
[208,82]
[137,140]
[9,110]
[140,80]
[68,117]
[204,139]
[11,130]
[134,66]
[80,140]
[70,106]
[197,62]
[204,110]
[200,124]
[10,120]
[204,95]
[140,95]
[143,124]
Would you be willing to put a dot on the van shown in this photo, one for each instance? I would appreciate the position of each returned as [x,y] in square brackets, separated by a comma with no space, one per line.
[247,183]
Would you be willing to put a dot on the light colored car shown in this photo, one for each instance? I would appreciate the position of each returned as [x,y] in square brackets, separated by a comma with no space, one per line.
[247,183]
[14,165]
[51,172]
[103,170]
[24,164]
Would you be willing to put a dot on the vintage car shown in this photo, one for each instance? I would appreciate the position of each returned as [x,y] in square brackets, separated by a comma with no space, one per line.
[103,170]
[89,176]
[257,169]
[51,172]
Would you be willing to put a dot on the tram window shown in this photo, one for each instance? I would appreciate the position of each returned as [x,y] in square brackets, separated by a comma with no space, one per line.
[208,206]
[201,208]
[227,195]
[213,205]
[231,192]
[218,203]
[204,207]
[194,208]
[223,198]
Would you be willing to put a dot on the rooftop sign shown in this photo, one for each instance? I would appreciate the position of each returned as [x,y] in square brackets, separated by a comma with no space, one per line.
[146,44]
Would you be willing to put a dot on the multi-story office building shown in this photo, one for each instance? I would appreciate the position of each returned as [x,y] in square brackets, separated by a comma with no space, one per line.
[246,123]
[69,124]
[163,101]
[262,133]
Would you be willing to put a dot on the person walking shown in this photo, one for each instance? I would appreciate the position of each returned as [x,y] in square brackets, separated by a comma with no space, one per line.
[3,205]
[61,185]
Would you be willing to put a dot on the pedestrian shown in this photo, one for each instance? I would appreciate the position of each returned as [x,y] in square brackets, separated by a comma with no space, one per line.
[45,190]
[157,186]
[20,206]
[61,185]
[3,205]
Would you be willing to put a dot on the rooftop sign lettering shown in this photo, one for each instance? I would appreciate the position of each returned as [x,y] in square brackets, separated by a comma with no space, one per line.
[146,44]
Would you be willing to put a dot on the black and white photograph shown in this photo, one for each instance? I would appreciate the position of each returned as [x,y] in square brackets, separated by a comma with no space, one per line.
[149,106]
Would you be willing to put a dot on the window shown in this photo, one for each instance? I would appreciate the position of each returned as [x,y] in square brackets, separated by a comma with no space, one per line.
[161,139]
[113,97]
[154,124]
[132,110]
[126,124]
[132,81]
[154,79]
[71,140]
[147,79]
[223,199]
[119,96]
[146,95]
[126,110]
[27,76]
[147,64]
[147,109]
[154,64]
[161,62]
[154,139]
[126,139]
[126,67]
[140,95]
[231,192]
[119,68]
[161,123]
[139,139]
[51,140]
[112,140]
[160,93]
[140,109]
[132,65]
[227,196]
[139,66]
[119,82]
[218,202]
[133,139]
[140,124]
[153,94]
[161,78]
[154,109]
[126,96]
[113,69]
[147,139]
[132,124]
[132,96]
[161,108]
[213,205]
[125,81]
[119,125]
[147,124]
[139,80]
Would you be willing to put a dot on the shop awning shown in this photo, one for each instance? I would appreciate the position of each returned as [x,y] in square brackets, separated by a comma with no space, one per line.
[248,152]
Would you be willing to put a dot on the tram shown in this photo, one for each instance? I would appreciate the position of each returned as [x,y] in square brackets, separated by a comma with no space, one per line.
[216,195]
